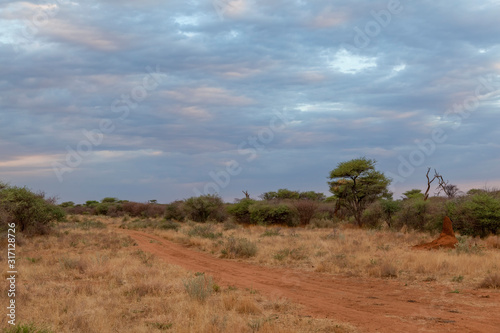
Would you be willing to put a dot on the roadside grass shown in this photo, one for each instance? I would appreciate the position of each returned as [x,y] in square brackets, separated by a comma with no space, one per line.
[97,280]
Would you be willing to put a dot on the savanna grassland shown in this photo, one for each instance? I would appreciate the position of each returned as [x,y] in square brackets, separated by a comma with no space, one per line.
[340,249]
[88,277]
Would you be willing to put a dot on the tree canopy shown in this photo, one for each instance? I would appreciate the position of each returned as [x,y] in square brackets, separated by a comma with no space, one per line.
[356,184]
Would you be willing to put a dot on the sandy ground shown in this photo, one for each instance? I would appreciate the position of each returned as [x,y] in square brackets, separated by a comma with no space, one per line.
[372,305]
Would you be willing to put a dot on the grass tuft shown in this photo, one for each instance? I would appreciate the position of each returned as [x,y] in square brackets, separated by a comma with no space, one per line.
[491,281]
[200,287]
[239,248]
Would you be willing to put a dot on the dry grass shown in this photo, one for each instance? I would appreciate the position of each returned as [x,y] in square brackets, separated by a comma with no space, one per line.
[355,252]
[92,279]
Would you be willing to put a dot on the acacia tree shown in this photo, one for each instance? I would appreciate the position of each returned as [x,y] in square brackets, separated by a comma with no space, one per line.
[356,184]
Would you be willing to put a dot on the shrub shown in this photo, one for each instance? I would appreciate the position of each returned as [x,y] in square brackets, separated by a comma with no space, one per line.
[325,211]
[388,270]
[102,208]
[31,212]
[134,209]
[91,224]
[418,214]
[109,200]
[476,215]
[175,211]
[200,287]
[389,207]
[205,231]
[153,210]
[273,213]
[241,210]
[467,245]
[79,210]
[239,248]
[373,215]
[491,281]
[204,208]
[169,225]
[305,210]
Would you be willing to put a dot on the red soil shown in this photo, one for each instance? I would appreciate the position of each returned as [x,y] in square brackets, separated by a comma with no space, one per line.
[370,304]
[446,239]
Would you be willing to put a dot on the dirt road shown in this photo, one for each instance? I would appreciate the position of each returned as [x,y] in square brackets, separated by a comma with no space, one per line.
[372,305]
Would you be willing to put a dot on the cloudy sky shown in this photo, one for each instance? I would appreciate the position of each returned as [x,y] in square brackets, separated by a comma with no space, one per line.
[169,99]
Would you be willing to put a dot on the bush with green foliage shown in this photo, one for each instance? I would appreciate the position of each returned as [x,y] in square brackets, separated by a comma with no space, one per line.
[175,211]
[205,208]
[265,213]
[109,200]
[419,214]
[286,194]
[241,210]
[31,212]
[415,193]
[476,215]
[389,208]
[67,204]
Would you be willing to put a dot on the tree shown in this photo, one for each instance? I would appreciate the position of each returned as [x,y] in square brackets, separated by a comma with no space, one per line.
[31,212]
[415,193]
[356,184]
[204,208]
[390,207]
[450,190]
[282,193]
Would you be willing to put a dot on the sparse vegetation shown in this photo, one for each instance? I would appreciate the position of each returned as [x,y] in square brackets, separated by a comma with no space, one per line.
[239,248]
[491,281]
[200,287]
[103,282]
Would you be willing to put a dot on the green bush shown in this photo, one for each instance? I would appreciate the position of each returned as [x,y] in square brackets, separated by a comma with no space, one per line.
[419,214]
[102,208]
[204,208]
[389,209]
[31,212]
[175,211]
[265,213]
[476,215]
[241,210]
[109,200]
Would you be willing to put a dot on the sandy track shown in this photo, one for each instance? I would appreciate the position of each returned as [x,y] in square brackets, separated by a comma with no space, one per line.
[372,305]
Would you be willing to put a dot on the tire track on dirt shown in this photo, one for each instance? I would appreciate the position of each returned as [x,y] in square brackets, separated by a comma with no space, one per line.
[372,305]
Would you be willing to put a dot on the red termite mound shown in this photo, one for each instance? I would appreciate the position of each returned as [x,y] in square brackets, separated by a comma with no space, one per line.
[446,239]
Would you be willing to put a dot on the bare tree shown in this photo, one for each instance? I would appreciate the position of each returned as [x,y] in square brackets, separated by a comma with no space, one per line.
[247,196]
[429,182]
[450,190]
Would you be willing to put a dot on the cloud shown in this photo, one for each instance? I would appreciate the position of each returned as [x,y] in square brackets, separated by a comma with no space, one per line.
[226,73]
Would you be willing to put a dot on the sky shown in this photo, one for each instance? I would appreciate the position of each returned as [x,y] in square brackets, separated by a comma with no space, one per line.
[166,100]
